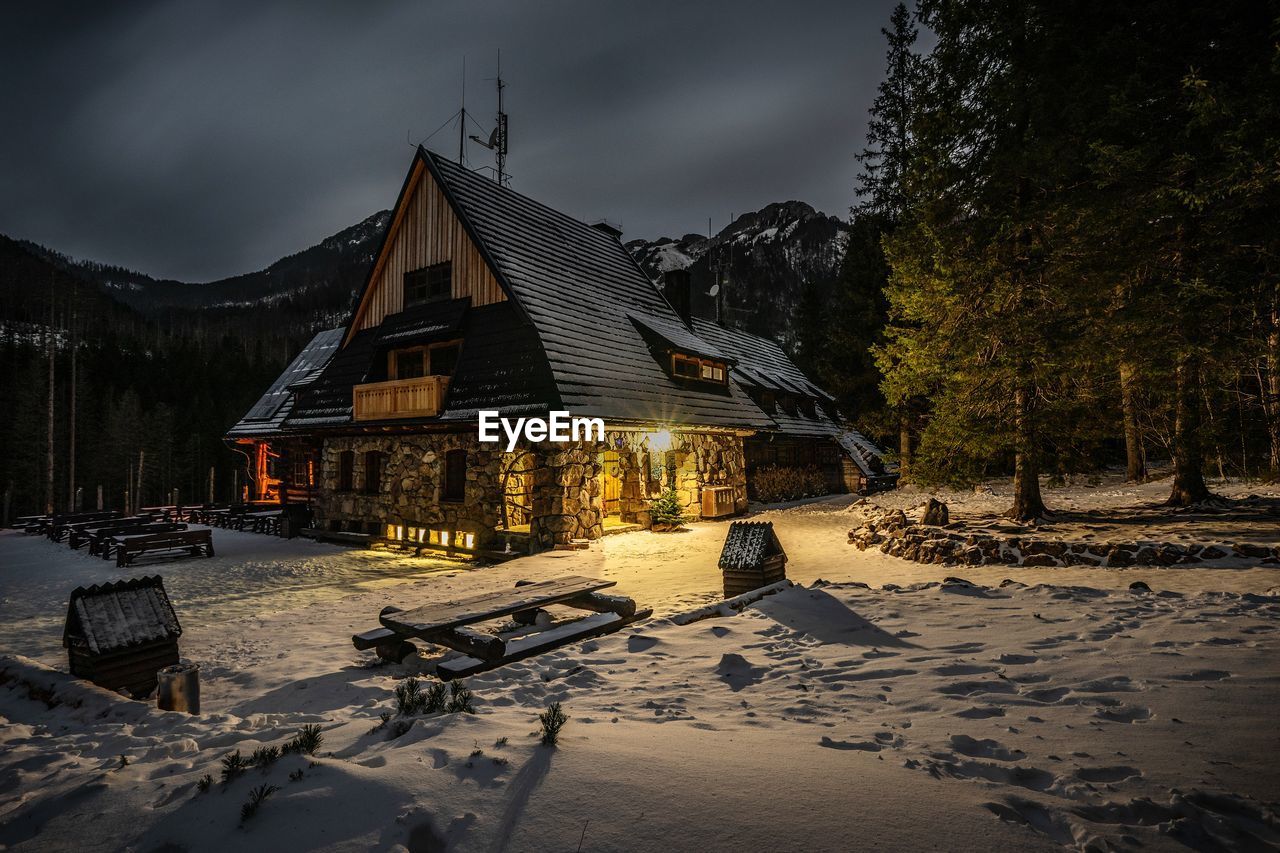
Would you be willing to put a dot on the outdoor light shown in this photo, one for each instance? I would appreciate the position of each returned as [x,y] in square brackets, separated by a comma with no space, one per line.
[470,540]
[444,538]
[660,441]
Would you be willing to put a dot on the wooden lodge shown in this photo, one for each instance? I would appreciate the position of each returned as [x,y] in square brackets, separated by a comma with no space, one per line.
[482,299]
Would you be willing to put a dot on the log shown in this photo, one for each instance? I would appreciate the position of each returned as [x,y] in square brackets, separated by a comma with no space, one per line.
[470,642]
[730,606]
[600,602]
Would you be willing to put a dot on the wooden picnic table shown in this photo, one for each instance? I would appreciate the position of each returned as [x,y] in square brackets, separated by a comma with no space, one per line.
[102,543]
[447,623]
[61,525]
[80,533]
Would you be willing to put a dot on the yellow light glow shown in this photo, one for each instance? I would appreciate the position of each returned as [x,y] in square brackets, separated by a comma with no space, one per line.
[444,537]
[399,531]
[470,540]
[660,441]
[391,531]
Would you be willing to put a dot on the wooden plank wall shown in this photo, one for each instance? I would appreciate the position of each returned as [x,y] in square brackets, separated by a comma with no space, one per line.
[426,231]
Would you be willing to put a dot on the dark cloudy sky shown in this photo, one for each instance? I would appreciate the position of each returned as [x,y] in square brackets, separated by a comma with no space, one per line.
[198,140]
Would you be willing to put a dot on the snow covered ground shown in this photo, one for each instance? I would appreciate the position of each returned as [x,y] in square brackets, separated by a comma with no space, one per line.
[871,708]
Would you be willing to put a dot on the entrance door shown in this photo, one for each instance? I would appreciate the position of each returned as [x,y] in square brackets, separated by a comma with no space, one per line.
[611,483]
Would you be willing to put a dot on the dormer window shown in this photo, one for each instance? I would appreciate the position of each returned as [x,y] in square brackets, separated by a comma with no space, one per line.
[415,362]
[429,284]
[700,369]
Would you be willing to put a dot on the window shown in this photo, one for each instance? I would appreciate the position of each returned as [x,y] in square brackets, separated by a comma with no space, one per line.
[436,360]
[455,476]
[807,406]
[769,401]
[428,284]
[443,359]
[373,464]
[788,403]
[346,470]
[688,367]
[409,364]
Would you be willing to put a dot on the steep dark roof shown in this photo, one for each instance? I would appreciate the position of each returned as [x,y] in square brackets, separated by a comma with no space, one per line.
[584,330]
[577,285]
[748,543]
[761,363]
[114,616]
[420,324]
[274,406]
[327,400]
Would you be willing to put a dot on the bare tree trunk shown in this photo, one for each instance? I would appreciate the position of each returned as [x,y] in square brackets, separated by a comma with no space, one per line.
[48,459]
[1136,461]
[1027,501]
[1188,477]
[211,489]
[71,414]
[1271,391]
[904,445]
[137,494]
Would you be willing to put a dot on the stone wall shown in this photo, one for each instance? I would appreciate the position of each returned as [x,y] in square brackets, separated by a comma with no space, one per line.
[412,484]
[892,534]
[695,460]
[566,496]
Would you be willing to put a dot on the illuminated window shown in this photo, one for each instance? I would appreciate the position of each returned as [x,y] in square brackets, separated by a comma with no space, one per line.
[688,367]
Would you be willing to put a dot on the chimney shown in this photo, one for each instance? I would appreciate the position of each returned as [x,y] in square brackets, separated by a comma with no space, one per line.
[607,227]
[677,285]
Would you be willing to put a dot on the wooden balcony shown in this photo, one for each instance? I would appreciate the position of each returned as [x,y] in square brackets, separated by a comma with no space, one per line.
[400,398]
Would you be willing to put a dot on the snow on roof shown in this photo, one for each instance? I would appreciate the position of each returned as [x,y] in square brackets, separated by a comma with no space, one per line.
[748,543]
[114,616]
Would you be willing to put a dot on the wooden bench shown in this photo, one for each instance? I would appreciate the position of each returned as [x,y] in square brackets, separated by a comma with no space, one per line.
[448,624]
[82,532]
[129,548]
[102,542]
[263,522]
[59,526]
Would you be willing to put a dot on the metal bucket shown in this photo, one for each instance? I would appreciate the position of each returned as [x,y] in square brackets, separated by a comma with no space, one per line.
[179,688]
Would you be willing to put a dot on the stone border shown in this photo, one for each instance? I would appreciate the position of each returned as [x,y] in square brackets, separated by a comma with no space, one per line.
[948,546]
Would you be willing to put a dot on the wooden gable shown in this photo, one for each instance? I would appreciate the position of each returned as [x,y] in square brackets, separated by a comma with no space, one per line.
[424,231]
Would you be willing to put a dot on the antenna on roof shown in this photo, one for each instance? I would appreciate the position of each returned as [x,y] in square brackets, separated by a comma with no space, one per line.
[497,141]
[462,117]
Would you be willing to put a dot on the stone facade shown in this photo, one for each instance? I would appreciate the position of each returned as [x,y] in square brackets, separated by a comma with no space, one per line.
[560,483]
[412,484]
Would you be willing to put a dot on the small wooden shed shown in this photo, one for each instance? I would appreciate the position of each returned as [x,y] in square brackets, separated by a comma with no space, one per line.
[752,557]
[118,635]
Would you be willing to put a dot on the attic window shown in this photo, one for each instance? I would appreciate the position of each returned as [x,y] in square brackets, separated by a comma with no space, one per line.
[788,403]
[702,369]
[429,284]
[807,406]
[769,401]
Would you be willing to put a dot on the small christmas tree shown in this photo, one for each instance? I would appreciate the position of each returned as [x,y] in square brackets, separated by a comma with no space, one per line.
[666,512]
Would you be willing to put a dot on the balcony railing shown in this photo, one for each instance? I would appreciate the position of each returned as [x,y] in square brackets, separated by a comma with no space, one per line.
[400,398]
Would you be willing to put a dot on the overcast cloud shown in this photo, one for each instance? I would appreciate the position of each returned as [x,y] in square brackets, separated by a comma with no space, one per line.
[199,140]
